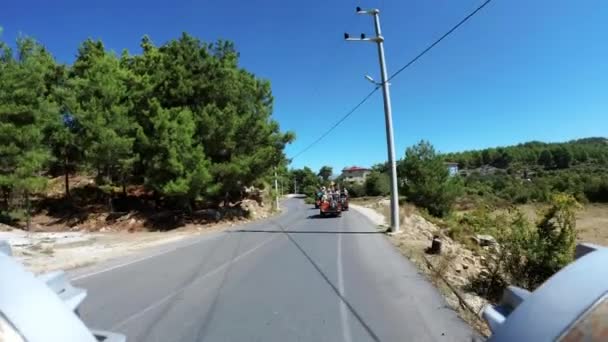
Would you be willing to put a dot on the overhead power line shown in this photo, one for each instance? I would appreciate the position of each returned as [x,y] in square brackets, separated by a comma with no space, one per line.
[337,122]
[407,65]
[454,28]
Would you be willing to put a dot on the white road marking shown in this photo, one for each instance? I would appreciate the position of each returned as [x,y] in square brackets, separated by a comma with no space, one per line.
[343,310]
[86,275]
[176,292]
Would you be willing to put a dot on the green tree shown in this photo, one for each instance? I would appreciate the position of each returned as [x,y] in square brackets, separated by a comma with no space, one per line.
[562,157]
[545,159]
[177,167]
[325,172]
[231,108]
[355,189]
[98,83]
[25,110]
[183,119]
[306,180]
[377,184]
[502,158]
[63,130]
[381,167]
[487,156]
[426,179]
[62,136]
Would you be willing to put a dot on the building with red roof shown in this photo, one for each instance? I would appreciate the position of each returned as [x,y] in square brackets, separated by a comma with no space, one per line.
[355,174]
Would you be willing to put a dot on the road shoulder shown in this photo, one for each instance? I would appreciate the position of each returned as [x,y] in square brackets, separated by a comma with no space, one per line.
[467,306]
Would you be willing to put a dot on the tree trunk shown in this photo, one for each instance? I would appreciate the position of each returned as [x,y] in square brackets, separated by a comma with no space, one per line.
[6,194]
[27,211]
[124,187]
[67,177]
[156,199]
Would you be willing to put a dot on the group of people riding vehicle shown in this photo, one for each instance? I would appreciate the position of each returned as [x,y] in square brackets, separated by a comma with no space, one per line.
[331,200]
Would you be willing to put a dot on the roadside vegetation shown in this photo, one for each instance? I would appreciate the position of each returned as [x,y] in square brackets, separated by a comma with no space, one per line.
[508,216]
[179,127]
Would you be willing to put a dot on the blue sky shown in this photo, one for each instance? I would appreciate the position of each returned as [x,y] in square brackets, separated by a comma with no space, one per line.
[520,70]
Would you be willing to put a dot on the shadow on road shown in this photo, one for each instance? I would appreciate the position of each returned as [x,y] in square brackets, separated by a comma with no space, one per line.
[282,230]
[301,232]
[352,310]
[318,216]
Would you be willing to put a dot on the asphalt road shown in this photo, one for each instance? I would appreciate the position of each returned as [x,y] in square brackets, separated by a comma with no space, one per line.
[295,277]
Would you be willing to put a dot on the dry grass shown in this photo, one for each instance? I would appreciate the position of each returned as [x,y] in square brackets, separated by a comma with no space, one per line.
[592,224]
[591,221]
[366,201]
[405,210]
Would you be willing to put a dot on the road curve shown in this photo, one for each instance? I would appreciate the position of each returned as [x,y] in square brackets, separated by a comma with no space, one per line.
[295,277]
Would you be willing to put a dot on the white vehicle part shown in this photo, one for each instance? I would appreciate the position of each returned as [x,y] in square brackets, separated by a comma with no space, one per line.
[42,308]
[8,333]
[571,305]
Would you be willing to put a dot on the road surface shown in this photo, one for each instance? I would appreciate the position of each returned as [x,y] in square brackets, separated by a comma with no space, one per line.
[295,277]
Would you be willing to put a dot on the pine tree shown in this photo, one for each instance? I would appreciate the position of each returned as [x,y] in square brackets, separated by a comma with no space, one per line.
[102,110]
[25,110]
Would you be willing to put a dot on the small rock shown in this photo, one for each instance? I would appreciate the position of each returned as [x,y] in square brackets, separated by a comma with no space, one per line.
[469,260]
[485,240]
[435,246]
[457,280]
[465,266]
[428,234]
[483,261]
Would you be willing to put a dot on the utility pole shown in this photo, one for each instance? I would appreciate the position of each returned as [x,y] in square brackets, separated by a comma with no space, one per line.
[379,40]
[295,186]
[276,188]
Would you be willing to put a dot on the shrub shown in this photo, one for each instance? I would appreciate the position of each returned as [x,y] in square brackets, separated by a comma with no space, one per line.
[427,180]
[377,184]
[355,189]
[530,254]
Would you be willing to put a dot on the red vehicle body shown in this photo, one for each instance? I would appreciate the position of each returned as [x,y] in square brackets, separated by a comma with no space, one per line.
[331,205]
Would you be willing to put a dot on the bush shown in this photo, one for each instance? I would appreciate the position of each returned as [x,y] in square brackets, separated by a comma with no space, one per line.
[596,190]
[355,189]
[529,254]
[310,191]
[377,184]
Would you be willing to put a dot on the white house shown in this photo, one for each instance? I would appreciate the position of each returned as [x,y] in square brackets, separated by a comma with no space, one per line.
[452,168]
[355,174]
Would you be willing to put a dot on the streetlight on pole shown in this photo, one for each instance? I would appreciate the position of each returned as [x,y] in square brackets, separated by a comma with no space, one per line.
[379,40]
